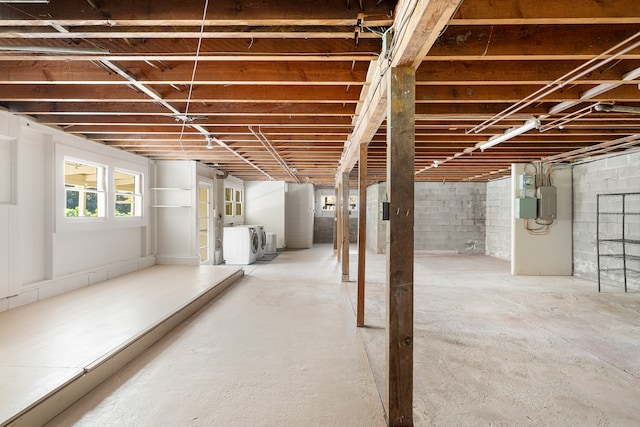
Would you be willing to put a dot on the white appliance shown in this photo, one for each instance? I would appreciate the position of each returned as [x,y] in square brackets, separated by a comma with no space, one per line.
[272,244]
[240,245]
[263,239]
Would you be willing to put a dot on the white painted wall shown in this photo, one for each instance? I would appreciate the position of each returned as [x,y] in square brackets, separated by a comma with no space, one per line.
[42,252]
[299,204]
[174,205]
[174,190]
[265,205]
[551,254]
[498,218]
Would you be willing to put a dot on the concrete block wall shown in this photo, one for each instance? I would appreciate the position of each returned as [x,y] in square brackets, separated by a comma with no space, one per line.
[619,174]
[498,220]
[323,229]
[450,217]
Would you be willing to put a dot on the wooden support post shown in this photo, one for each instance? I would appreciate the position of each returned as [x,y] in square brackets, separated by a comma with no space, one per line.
[335,221]
[362,232]
[339,221]
[345,226]
[400,244]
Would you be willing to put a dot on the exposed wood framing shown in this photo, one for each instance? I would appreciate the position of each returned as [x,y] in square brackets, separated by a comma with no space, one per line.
[400,181]
[362,234]
[345,226]
[318,66]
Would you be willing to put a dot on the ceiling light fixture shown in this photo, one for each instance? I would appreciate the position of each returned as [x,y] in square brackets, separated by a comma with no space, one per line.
[48,49]
[610,108]
[209,141]
[511,133]
[595,91]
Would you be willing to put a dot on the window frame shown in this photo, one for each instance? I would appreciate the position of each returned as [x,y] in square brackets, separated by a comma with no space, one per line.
[137,195]
[233,202]
[100,191]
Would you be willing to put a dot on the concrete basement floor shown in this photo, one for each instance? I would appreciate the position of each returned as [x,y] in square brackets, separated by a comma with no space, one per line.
[493,349]
[280,349]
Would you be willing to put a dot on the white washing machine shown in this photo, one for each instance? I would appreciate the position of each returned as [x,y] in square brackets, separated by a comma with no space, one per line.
[263,239]
[240,245]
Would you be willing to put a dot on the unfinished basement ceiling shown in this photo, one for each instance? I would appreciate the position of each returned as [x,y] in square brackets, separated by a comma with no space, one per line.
[278,85]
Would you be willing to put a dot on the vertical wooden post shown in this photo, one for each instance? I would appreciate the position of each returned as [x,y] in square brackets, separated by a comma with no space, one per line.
[400,244]
[345,227]
[362,232]
[335,220]
[339,220]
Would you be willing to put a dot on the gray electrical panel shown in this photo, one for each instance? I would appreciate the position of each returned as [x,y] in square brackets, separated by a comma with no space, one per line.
[547,210]
[526,185]
[525,208]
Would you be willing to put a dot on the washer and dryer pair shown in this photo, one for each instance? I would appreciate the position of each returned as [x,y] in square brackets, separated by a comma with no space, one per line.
[243,244]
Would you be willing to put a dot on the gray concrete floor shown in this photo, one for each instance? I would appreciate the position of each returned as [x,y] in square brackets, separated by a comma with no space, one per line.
[280,349]
[495,349]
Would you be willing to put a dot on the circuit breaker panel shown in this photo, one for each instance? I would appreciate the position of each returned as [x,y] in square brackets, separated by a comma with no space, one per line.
[536,197]
[547,209]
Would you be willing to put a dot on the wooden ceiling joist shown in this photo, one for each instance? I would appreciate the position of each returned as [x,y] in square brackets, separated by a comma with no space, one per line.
[308,74]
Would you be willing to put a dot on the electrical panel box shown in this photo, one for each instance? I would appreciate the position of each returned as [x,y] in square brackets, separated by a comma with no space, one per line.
[527,185]
[547,209]
[526,208]
[385,211]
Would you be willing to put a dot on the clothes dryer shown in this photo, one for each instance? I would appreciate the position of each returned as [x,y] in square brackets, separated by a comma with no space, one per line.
[240,245]
[263,239]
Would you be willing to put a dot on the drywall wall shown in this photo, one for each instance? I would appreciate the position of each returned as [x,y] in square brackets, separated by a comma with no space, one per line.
[498,218]
[619,174]
[265,205]
[42,251]
[174,208]
[299,204]
[376,227]
[549,254]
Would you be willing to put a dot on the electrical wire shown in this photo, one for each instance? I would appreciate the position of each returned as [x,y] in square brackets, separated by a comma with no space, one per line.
[193,76]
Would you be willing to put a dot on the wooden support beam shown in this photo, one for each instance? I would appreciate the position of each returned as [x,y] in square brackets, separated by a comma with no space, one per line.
[400,244]
[345,226]
[424,21]
[362,232]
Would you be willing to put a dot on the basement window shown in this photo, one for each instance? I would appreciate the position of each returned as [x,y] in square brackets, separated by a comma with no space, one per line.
[233,202]
[228,201]
[328,203]
[84,189]
[238,202]
[353,203]
[128,194]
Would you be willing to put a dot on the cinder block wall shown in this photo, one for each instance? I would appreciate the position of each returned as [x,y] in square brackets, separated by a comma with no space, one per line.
[450,217]
[323,229]
[498,222]
[620,174]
